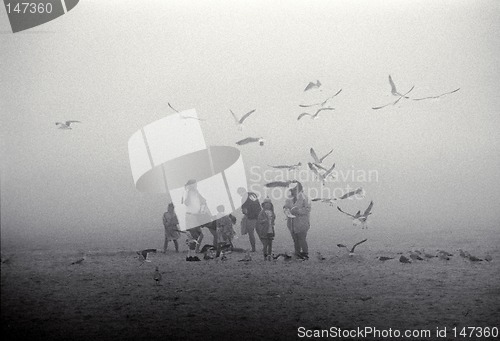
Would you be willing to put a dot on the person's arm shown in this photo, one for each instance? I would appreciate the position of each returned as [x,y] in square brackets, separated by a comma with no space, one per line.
[303,209]
[165,220]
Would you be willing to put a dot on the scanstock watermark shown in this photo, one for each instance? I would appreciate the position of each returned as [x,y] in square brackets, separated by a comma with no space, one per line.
[337,184]
[24,15]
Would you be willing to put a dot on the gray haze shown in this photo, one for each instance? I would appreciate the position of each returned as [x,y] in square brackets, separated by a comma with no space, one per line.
[115,65]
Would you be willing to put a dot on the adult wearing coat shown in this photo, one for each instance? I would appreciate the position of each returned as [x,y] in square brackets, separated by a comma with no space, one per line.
[300,207]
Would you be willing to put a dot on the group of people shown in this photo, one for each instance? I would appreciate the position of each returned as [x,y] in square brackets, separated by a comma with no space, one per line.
[257,218]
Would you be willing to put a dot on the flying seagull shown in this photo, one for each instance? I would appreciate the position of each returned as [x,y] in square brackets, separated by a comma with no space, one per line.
[312,85]
[325,200]
[358,216]
[396,93]
[184,116]
[351,252]
[66,125]
[157,276]
[350,194]
[321,176]
[435,97]
[240,121]
[288,167]
[315,157]
[321,103]
[280,183]
[251,140]
[315,115]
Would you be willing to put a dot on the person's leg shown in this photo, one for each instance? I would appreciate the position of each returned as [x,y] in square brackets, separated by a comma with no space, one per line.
[296,244]
[165,244]
[264,247]
[251,232]
[270,248]
[176,244]
[303,243]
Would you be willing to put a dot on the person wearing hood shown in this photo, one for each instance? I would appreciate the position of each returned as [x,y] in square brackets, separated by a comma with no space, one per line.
[298,223]
[265,227]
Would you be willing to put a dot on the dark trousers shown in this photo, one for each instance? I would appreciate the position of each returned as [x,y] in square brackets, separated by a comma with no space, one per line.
[300,243]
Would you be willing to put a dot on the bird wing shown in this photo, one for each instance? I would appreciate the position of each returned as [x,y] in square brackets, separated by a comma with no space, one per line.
[395,102]
[69,122]
[319,166]
[341,245]
[247,140]
[329,98]
[310,105]
[244,117]
[314,156]
[279,167]
[437,96]
[347,195]
[312,85]
[234,116]
[368,210]
[171,107]
[321,109]
[324,157]
[329,171]
[350,215]
[278,184]
[361,242]
[394,91]
[311,167]
[302,115]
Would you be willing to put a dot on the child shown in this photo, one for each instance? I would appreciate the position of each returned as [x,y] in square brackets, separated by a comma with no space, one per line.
[171,224]
[225,230]
[265,227]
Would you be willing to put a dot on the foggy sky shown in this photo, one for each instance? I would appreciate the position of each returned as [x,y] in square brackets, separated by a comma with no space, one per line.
[115,65]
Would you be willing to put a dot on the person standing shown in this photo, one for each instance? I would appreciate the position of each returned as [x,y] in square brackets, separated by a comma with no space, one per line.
[171,224]
[197,213]
[298,224]
[251,209]
[265,227]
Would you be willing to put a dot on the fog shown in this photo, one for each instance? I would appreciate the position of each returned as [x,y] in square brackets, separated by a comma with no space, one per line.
[114,66]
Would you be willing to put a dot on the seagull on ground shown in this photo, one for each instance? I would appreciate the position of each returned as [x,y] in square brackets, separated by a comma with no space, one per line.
[239,122]
[157,276]
[488,258]
[415,256]
[251,140]
[315,115]
[66,125]
[351,252]
[435,97]
[320,257]
[312,85]
[247,257]
[143,255]
[384,258]
[79,261]
[404,259]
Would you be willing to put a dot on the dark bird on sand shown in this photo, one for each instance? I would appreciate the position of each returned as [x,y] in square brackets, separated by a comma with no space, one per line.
[474,259]
[157,276]
[415,256]
[285,256]
[312,85]
[488,258]
[79,261]
[351,251]
[384,258]
[403,259]
[250,140]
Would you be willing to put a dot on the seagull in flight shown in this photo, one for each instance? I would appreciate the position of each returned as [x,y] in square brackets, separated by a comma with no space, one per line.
[435,97]
[358,216]
[184,116]
[280,183]
[351,251]
[350,194]
[251,140]
[66,125]
[313,117]
[396,93]
[321,103]
[321,176]
[325,200]
[240,121]
[312,85]
[315,157]
[288,167]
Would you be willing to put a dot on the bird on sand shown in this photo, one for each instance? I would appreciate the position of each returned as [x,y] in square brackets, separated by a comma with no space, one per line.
[79,261]
[143,255]
[351,251]
[443,255]
[396,93]
[321,103]
[463,254]
[404,259]
[474,259]
[239,122]
[66,125]
[287,167]
[315,115]
[312,85]
[427,255]
[488,258]
[384,258]
[446,253]
[286,257]
[247,257]
[157,276]
[251,140]
[415,256]
[320,257]
[437,96]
